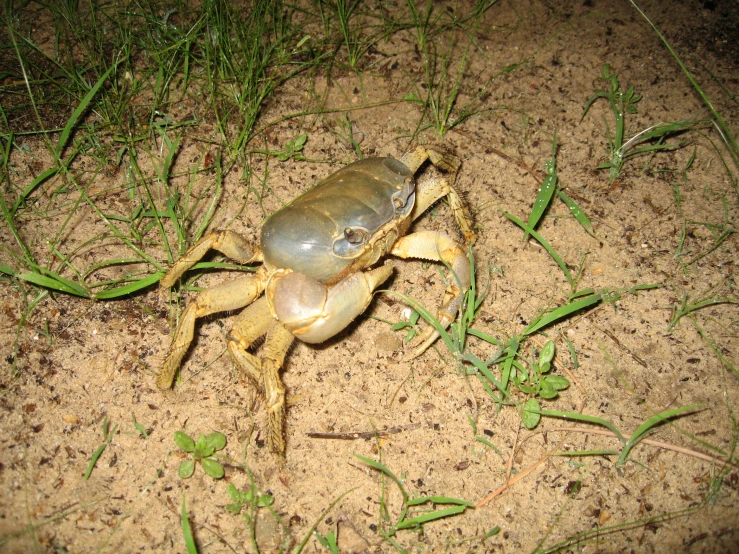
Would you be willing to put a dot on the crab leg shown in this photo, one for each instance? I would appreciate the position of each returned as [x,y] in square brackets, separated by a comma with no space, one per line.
[252,323]
[276,345]
[227,242]
[430,245]
[226,296]
[431,190]
[264,370]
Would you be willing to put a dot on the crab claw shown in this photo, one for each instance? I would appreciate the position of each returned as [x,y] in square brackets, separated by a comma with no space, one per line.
[314,312]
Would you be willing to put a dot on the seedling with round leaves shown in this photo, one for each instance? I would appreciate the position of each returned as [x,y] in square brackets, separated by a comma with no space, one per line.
[201,451]
[537,380]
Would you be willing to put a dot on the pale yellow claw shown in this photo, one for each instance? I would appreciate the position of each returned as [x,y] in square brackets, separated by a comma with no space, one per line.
[322,311]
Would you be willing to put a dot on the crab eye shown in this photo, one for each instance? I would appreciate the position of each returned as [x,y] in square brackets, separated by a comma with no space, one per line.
[354,236]
[399,203]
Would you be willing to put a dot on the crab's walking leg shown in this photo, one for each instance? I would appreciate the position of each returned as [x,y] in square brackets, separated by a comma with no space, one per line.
[227,242]
[264,370]
[227,296]
[428,192]
[252,323]
[275,348]
[431,190]
[430,245]
[440,157]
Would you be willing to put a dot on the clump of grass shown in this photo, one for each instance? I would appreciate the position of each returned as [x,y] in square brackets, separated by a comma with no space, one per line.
[523,364]
[108,435]
[690,307]
[409,517]
[251,504]
[246,503]
[442,84]
[627,442]
[234,61]
[648,141]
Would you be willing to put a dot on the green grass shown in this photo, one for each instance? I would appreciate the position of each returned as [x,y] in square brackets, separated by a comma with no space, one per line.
[646,142]
[108,435]
[124,98]
[410,517]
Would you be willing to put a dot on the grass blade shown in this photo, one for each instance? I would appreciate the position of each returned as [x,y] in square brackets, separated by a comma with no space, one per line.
[637,435]
[54,282]
[131,288]
[30,188]
[187,531]
[562,311]
[72,121]
[546,192]
[420,520]
[548,247]
[585,418]
[440,500]
[577,211]
[380,467]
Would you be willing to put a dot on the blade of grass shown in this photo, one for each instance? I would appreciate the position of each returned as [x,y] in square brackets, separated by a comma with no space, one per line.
[661,417]
[577,212]
[54,282]
[380,467]
[438,514]
[561,312]
[131,288]
[585,418]
[187,530]
[548,247]
[72,121]
[546,191]
[440,500]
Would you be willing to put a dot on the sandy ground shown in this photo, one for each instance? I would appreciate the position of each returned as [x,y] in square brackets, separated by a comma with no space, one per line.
[79,363]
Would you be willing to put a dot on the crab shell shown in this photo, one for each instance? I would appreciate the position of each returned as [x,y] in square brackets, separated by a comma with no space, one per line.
[343,225]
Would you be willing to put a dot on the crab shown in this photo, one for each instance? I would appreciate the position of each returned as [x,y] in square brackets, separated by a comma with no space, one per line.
[317,274]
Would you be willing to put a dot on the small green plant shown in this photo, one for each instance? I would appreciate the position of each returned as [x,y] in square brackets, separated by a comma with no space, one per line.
[411,324]
[509,360]
[247,503]
[140,428]
[411,517]
[627,441]
[652,139]
[329,541]
[688,306]
[349,136]
[549,188]
[201,451]
[537,380]
[253,505]
[108,434]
